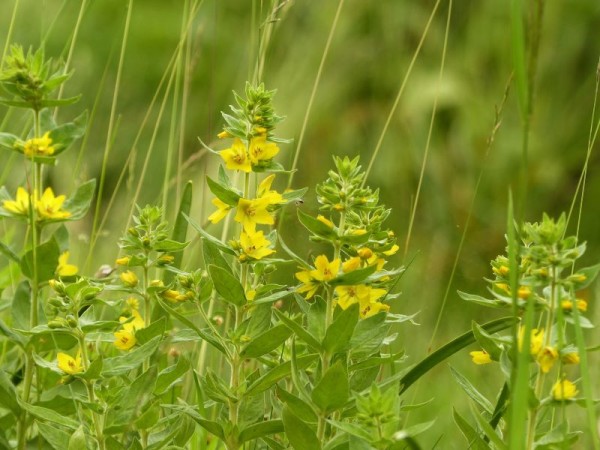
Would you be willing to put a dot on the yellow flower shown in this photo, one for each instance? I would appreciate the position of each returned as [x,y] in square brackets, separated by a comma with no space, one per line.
[68,364]
[136,322]
[325,270]
[173,296]
[39,146]
[252,212]
[325,220]
[265,192]
[308,284]
[221,212]
[564,390]
[251,295]
[261,150]
[20,205]
[65,269]
[567,305]
[351,264]
[224,134]
[49,206]
[123,260]
[537,340]
[124,340]
[480,357]
[365,295]
[392,251]
[129,278]
[365,253]
[236,157]
[254,245]
[546,358]
[501,271]
[570,358]
[524,292]
[133,303]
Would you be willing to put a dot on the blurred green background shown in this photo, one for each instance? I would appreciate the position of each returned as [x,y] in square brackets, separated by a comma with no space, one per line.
[369,56]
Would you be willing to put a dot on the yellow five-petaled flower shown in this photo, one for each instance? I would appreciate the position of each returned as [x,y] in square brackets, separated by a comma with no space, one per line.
[254,245]
[564,390]
[68,364]
[125,338]
[20,205]
[366,296]
[312,278]
[49,206]
[261,150]
[236,157]
[65,269]
[39,146]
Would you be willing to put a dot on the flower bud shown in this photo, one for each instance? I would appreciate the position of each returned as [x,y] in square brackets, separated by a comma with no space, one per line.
[129,279]
[123,260]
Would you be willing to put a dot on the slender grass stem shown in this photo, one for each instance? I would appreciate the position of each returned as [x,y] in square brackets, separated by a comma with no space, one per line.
[10,29]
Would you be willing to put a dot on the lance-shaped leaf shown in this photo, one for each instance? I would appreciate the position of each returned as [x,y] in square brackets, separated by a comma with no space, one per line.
[266,342]
[315,226]
[228,286]
[331,392]
[339,333]
[224,193]
[79,203]
[300,434]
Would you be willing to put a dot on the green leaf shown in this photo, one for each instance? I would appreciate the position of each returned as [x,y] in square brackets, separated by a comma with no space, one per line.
[590,275]
[212,255]
[339,333]
[21,306]
[169,245]
[224,193]
[49,415]
[7,251]
[122,364]
[291,196]
[8,140]
[228,286]
[471,391]
[486,341]
[299,407]
[223,247]
[300,435]
[352,429]
[448,350]
[8,395]
[315,226]
[209,425]
[47,260]
[53,103]
[79,203]
[57,438]
[171,375]
[278,372]
[148,418]
[77,439]
[298,330]
[475,442]
[266,342]
[64,135]
[355,277]
[94,370]
[331,392]
[479,300]
[260,429]
[181,225]
[489,431]
[156,328]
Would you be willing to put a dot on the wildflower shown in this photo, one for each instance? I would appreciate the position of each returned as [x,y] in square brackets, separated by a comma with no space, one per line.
[157,283]
[392,251]
[65,269]
[252,212]
[265,192]
[567,305]
[537,340]
[236,157]
[365,295]
[570,358]
[124,340]
[49,206]
[254,245]
[501,270]
[20,205]
[480,357]
[123,260]
[357,232]
[373,308]
[261,150]
[136,323]
[524,292]
[173,296]
[577,277]
[250,295]
[165,259]
[68,364]
[39,146]
[365,253]
[546,358]
[129,278]
[324,220]
[325,270]
[564,390]
[308,283]
[224,134]
[351,264]
[133,303]
[222,210]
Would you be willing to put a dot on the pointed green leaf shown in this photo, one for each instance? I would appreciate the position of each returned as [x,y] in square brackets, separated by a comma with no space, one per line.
[228,286]
[298,330]
[47,261]
[130,360]
[260,429]
[223,247]
[331,392]
[224,193]
[77,439]
[212,255]
[266,342]
[339,333]
[79,204]
[475,442]
[300,434]
[278,372]
[315,226]
[298,406]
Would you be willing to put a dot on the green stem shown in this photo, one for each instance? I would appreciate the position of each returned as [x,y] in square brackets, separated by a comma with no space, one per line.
[96,418]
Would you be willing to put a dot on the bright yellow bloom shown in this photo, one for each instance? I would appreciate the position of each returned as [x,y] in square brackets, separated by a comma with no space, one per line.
[129,278]
[65,269]
[20,205]
[480,357]
[357,232]
[392,251]
[537,340]
[265,192]
[133,303]
[524,292]
[124,340]
[365,253]
[325,220]
[136,323]
[39,146]
[250,295]
[68,364]
[254,245]
[366,296]
[501,271]
[261,150]
[123,260]
[546,358]
[325,270]
[571,358]
[221,212]
[252,212]
[49,206]
[173,296]
[308,284]
[564,390]
[567,305]
[236,157]
[351,264]
[224,134]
